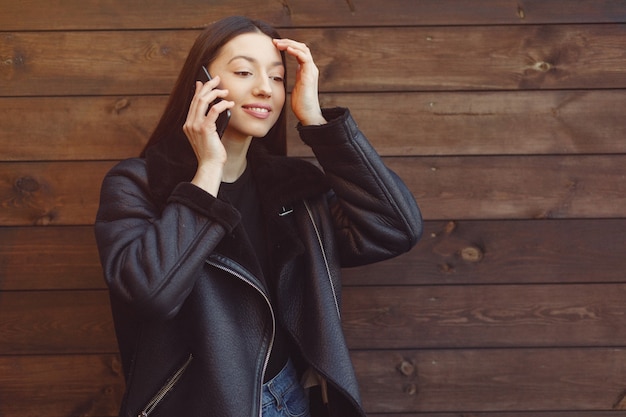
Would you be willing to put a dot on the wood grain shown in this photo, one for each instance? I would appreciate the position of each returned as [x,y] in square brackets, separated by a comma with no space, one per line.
[49,258]
[504,118]
[56,322]
[460,188]
[117,14]
[486,123]
[477,316]
[50,192]
[505,252]
[57,386]
[406,381]
[420,124]
[425,317]
[76,128]
[458,252]
[523,187]
[495,380]
[396,59]
[579,413]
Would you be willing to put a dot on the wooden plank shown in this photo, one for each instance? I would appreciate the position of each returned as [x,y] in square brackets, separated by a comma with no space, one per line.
[435,317]
[505,252]
[465,252]
[55,258]
[116,14]
[470,58]
[59,386]
[91,62]
[396,59]
[538,187]
[59,322]
[487,123]
[436,123]
[492,380]
[509,414]
[77,128]
[520,187]
[50,193]
[477,316]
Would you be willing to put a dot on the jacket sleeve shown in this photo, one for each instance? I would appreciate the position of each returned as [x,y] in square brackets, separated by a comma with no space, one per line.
[150,258]
[374,213]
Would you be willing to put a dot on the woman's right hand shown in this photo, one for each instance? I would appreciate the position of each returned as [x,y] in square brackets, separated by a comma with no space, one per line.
[201,132]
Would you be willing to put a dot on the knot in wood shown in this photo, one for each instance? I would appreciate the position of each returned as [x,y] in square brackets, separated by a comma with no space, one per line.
[406,368]
[620,404]
[14,61]
[471,254]
[116,367]
[165,50]
[121,104]
[542,66]
[286,7]
[45,220]
[410,389]
[27,185]
[450,226]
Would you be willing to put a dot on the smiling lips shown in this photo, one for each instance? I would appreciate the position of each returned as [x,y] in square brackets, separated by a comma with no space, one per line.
[258,111]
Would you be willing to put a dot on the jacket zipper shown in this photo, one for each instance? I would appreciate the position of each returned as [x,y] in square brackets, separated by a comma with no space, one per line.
[269,304]
[322,379]
[323,250]
[169,385]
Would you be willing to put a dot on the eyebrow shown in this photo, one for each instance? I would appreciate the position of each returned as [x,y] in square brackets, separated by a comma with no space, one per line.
[254,60]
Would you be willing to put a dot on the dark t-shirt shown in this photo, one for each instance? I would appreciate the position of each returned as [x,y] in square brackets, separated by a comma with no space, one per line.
[243,195]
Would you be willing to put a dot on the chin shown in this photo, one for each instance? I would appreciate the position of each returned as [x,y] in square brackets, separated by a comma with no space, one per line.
[256,133]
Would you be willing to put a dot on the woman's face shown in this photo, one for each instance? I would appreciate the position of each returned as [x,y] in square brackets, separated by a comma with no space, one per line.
[251,69]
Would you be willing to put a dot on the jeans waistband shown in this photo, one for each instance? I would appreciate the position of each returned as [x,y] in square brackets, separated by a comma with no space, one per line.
[280,384]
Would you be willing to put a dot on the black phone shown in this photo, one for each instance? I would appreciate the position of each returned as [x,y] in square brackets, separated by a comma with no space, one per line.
[224,117]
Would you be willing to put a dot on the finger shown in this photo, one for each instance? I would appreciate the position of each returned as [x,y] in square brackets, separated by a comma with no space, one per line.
[199,105]
[210,86]
[199,98]
[297,49]
[194,100]
[191,122]
[213,82]
[206,97]
[219,108]
[285,42]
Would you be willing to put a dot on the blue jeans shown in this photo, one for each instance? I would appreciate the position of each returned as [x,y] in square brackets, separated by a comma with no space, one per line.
[284,396]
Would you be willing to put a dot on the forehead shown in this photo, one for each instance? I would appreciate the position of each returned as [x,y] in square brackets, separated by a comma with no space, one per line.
[255,45]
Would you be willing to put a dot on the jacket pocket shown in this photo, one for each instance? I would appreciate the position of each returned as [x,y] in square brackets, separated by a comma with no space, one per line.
[166,389]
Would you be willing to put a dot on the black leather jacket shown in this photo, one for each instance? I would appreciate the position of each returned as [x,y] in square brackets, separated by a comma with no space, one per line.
[191,308]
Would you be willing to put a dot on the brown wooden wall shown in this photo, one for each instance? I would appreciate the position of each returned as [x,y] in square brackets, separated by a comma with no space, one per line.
[506,118]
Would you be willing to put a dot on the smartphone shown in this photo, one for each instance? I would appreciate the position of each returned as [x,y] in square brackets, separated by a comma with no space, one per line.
[224,117]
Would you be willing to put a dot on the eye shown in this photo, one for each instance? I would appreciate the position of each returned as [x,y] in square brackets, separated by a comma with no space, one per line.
[277,78]
[243,73]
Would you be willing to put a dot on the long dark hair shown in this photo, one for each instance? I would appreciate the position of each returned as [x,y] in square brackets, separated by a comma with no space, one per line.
[204,50]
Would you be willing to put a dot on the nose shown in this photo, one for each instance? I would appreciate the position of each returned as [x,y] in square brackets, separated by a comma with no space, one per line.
[263,87]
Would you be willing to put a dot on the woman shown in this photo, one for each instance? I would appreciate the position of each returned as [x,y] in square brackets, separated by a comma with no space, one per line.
[222,255]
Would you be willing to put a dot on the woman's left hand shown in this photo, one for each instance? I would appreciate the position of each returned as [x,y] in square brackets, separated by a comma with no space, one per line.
[304,96]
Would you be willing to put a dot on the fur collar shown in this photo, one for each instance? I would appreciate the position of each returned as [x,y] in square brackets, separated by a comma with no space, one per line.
[281,180]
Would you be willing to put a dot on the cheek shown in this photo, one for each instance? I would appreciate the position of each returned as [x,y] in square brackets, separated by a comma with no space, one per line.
[279,96]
